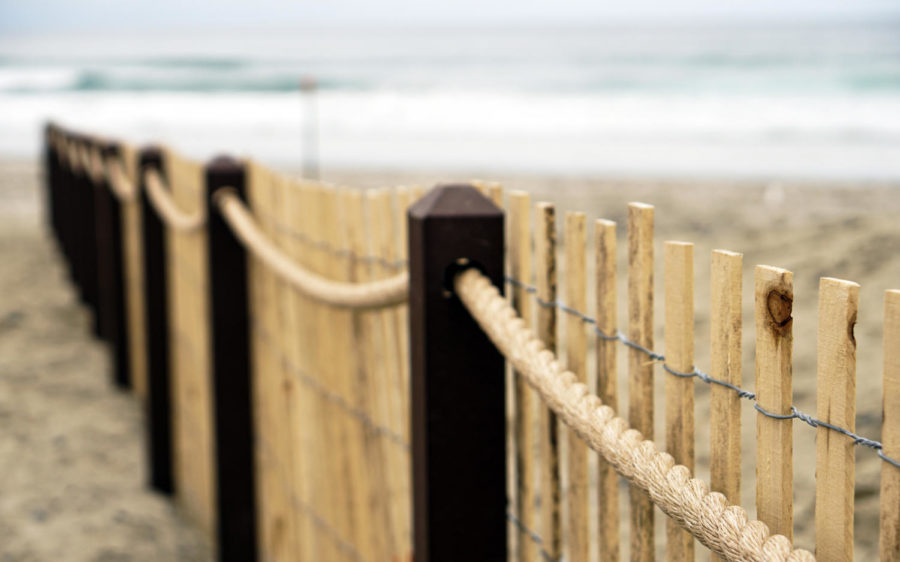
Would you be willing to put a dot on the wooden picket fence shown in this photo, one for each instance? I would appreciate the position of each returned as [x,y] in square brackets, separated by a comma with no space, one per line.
[292,428]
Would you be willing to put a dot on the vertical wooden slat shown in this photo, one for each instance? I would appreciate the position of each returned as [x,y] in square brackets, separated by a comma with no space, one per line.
[390,382]
[835,404]
[519,254]
[576,361]
[607,391]
[279,218]
[774,342]
[725,365]
[640,367]
[890,432]
[679,333]
[376,448]
[347,376]
[545,273]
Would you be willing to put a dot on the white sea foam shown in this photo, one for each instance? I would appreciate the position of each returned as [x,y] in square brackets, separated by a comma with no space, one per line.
[758,101]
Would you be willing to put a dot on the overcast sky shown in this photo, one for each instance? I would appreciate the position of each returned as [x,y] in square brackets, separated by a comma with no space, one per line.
[51,15]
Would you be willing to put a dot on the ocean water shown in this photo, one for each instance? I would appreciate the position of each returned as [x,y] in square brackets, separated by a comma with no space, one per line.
[820,101]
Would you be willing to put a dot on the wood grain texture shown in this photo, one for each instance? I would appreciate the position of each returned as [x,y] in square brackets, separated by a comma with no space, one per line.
[576,362]
[133,260]
[519,255]
[607,391]
[191,362]
[545,280]
[889,545]
[835,404]
[679,334]
[774,297]
[640,367]
[725,365]
[391,386]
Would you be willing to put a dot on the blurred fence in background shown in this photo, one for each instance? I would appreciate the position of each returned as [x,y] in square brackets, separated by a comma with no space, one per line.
[334,374]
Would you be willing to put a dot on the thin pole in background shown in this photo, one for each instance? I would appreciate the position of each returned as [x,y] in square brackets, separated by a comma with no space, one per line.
[310,128]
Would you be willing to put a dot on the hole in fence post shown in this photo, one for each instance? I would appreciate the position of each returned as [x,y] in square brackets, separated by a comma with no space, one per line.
[230,347]
[458,384]
[156,295]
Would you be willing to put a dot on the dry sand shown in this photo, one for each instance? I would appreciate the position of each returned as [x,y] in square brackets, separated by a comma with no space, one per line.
[71,468]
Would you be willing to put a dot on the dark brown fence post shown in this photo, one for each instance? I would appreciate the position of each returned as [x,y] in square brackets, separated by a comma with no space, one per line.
[110,267]
[66,211]
[80,221]
[156,328]
[230,345]
[458,386]
[51,180]
[91,272]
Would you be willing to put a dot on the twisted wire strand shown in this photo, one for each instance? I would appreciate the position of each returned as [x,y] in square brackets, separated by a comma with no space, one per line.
[375,294]
[166,207]
[725,529]
[329,395]
[533,536]
[329,248]
[708,379]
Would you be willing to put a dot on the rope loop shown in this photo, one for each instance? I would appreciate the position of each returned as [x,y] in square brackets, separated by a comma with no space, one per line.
[167,208]
[375,294]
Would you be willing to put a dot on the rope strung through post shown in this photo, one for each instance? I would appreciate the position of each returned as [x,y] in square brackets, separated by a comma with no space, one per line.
[725,529]
[121,186]
[167,209]
[376,294]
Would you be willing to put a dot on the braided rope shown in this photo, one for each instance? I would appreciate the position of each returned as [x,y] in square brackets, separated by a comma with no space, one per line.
[166,207]
[725,529]
[95,165]
[375,294]
[72,155]
[119,183]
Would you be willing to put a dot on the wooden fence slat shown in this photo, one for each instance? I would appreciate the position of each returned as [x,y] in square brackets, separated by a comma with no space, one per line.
[725,365]
[576,361]
[376,449]
[835,404]
[774,297]
[390,383]
[298,396]
[545,273]
[890,432]
[640,367]
[607,391]
[519,255]
[679,333]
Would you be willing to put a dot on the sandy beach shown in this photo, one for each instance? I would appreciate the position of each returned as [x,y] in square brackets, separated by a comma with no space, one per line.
[72,468]
[71,452]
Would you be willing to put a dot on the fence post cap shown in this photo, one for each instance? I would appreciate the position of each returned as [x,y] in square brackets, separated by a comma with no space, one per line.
[224,163]
[454,200]
[110,147]
[150,151]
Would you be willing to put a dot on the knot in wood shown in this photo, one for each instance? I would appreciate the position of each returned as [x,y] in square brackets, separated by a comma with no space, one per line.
[779,306]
